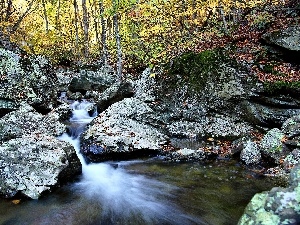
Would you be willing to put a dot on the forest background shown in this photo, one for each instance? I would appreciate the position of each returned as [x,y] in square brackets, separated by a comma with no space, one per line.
[131,34]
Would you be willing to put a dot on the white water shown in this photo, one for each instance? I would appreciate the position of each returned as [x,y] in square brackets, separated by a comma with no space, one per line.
[123,198]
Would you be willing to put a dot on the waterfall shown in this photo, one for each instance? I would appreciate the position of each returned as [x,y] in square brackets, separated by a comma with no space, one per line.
[123,198]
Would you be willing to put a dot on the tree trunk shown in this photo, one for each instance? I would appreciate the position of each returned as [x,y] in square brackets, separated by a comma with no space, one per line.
[103,32]
[223,18]
[85,21]
[45,15]
[19,21]
[76,25]
[8,10]
[57,19]
[118,40]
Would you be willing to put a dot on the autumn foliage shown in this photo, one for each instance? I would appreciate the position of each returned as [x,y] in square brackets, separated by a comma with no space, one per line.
[151,32]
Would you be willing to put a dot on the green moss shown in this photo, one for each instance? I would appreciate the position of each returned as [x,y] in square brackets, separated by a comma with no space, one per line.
[194,69]
[281,86]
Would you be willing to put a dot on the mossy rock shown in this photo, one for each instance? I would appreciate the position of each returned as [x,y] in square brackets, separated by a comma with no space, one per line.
[282,87]
[194,69]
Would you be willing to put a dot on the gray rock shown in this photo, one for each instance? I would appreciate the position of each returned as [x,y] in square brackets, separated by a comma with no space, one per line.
[112,94]
[33,164]
[89,80]
[115,132]
[291,160]
[7,106]
[250,155]
[271,144]
[28,79]
[275,207]
[144,87]
[218,126]
[26,121]
[291,127]
[266,114]
[185,154]
[288,38]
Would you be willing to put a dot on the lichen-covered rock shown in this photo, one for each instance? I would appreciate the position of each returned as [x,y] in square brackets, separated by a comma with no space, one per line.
[218,126]
[266,111]
[89,80]
[29,79]
[250,154]
[275,207]
[288,38]
[291,127]
[7,106]
[271,144]
[144,87]
[185,154]
[115,132]
[112,94]
[291,160]
[33,164]
[26,121]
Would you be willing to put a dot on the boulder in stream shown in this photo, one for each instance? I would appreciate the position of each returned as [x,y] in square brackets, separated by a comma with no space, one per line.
[115,134]
[32,159]
[31,165]
[275,207]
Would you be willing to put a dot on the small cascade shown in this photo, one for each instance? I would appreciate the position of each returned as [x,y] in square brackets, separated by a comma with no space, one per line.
[123,198]
[82,113]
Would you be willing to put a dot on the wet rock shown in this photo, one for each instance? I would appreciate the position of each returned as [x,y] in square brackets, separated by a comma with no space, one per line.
[116,132]
[278,206]
[99,84]
[185,154]
[250,154]
[33,164]
[272,146]
[114,93]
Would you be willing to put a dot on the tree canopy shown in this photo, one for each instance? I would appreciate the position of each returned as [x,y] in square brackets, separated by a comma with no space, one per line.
[150,32]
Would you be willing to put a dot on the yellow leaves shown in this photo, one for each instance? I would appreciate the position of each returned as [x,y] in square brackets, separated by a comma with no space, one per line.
[16,201]
[146,32]
[152,75]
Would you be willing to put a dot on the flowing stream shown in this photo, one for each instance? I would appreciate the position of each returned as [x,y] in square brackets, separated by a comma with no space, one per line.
[146,191]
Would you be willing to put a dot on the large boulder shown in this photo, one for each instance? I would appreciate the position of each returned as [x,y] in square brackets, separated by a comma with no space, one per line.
[275,207]
[288,38]
[26,120]
[33,164]
[26,78]
[211,94]
[116,133]
[89,80]
[98,83]
[32,159]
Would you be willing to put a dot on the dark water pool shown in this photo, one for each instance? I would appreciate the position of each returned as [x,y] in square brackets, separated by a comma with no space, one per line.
[214,193]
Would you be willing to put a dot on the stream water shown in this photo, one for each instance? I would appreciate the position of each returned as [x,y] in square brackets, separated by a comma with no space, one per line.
[145,191]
